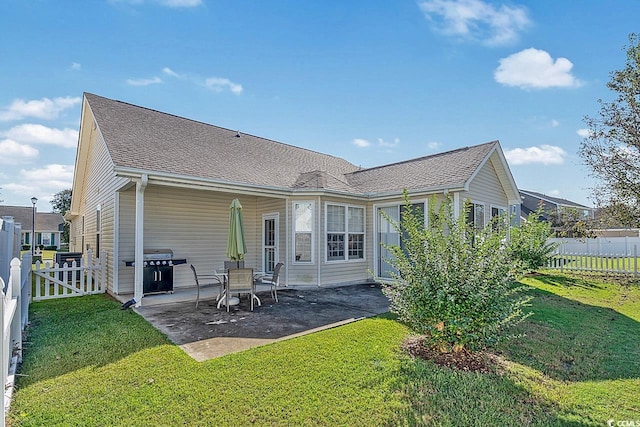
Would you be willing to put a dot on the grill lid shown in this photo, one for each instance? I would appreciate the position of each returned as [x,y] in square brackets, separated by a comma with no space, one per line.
[157,254]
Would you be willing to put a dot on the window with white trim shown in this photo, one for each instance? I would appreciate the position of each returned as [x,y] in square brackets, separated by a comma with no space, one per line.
[499,212]
[303,231]
[98,229]
[475,215]
[345,232]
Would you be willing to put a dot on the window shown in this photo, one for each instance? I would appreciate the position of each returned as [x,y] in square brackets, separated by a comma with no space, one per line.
[303,231]
[475,215]
[499,212]
[82,229]
[345,232]
[98,230]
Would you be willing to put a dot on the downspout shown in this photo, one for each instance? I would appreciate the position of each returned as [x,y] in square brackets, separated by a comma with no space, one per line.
[139,245]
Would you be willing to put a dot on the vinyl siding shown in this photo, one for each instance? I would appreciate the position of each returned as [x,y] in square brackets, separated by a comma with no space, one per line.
[487,189]
[99,186]
[194,225]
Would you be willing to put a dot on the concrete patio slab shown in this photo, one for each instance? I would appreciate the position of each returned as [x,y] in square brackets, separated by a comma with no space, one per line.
[210,332]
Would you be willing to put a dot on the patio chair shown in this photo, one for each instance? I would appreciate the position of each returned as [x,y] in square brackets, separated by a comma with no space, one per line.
[240,281]
[273,281]
[209,280]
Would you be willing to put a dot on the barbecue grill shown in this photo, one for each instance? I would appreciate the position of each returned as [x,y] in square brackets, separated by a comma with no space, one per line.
[157,270]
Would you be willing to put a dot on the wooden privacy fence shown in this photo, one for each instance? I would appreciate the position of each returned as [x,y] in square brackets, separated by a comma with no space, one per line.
[622,263]
[69,280]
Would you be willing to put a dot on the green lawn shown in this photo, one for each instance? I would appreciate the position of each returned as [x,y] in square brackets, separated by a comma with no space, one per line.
[89,363]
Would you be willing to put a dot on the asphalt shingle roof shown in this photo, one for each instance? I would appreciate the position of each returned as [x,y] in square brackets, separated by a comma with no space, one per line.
[452,169]
[558,201]
[150,140]
[45,221]
[141,138]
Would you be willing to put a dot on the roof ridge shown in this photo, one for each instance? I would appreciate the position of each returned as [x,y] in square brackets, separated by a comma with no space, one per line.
[223,128]
[416,159]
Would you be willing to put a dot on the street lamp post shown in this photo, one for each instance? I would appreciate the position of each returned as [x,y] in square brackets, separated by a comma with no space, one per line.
[33,227]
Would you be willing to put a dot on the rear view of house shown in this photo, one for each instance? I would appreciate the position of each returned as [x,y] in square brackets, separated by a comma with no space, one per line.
[146,180]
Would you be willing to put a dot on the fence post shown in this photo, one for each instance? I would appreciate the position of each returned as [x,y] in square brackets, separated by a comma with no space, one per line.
[3,355]
[16,324]
[103,271]
[635,260]
[561,260]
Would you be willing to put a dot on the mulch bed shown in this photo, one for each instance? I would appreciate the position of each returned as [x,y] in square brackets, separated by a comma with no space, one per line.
[479,361]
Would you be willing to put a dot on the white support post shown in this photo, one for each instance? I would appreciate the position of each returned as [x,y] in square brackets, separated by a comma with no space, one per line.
[139,245]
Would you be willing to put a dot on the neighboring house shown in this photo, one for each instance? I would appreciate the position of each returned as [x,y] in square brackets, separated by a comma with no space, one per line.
[550,205]
[149,180]
[48,225]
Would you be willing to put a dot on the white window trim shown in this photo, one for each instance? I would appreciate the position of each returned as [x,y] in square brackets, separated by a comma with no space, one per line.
[275,216]
[346,234]
[492,206]
[293,229]
[484,208]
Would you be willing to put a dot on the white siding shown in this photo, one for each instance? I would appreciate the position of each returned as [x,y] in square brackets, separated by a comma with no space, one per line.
[98,188]
[194,225]
[487,189]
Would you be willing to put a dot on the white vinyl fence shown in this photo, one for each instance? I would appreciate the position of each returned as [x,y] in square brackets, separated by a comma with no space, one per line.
[607,255]
[86,277]
[15,286]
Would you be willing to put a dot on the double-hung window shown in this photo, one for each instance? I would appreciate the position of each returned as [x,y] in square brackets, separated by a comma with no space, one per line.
[345,232]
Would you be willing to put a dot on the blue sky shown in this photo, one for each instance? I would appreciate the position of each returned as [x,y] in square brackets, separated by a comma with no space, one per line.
[373,82]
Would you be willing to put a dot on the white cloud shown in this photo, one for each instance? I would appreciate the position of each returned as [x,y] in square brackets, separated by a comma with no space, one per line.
[166,3]
[433,145]
[383,143]
[76,66]
[168,71]
[535,69]
[584,133]
[219,84]
[44,182]
[544,154]
[144,82]
[554,193]
[44,108]
[477,20]
[39,134]
[555,123]
[359,142]
[180,3]
[13,152]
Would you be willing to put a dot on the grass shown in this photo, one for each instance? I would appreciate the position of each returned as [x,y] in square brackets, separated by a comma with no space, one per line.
[89,363]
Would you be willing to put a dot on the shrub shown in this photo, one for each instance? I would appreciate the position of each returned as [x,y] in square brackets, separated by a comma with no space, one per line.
[26,247]
[453,284]
[529,242]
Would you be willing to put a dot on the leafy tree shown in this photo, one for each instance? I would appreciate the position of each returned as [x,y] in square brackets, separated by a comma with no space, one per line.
[612,148]
[453,284]
[529,243]
[61,203]
[571,222]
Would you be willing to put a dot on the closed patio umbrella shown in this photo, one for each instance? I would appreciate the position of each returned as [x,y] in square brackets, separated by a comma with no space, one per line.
[236,246]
